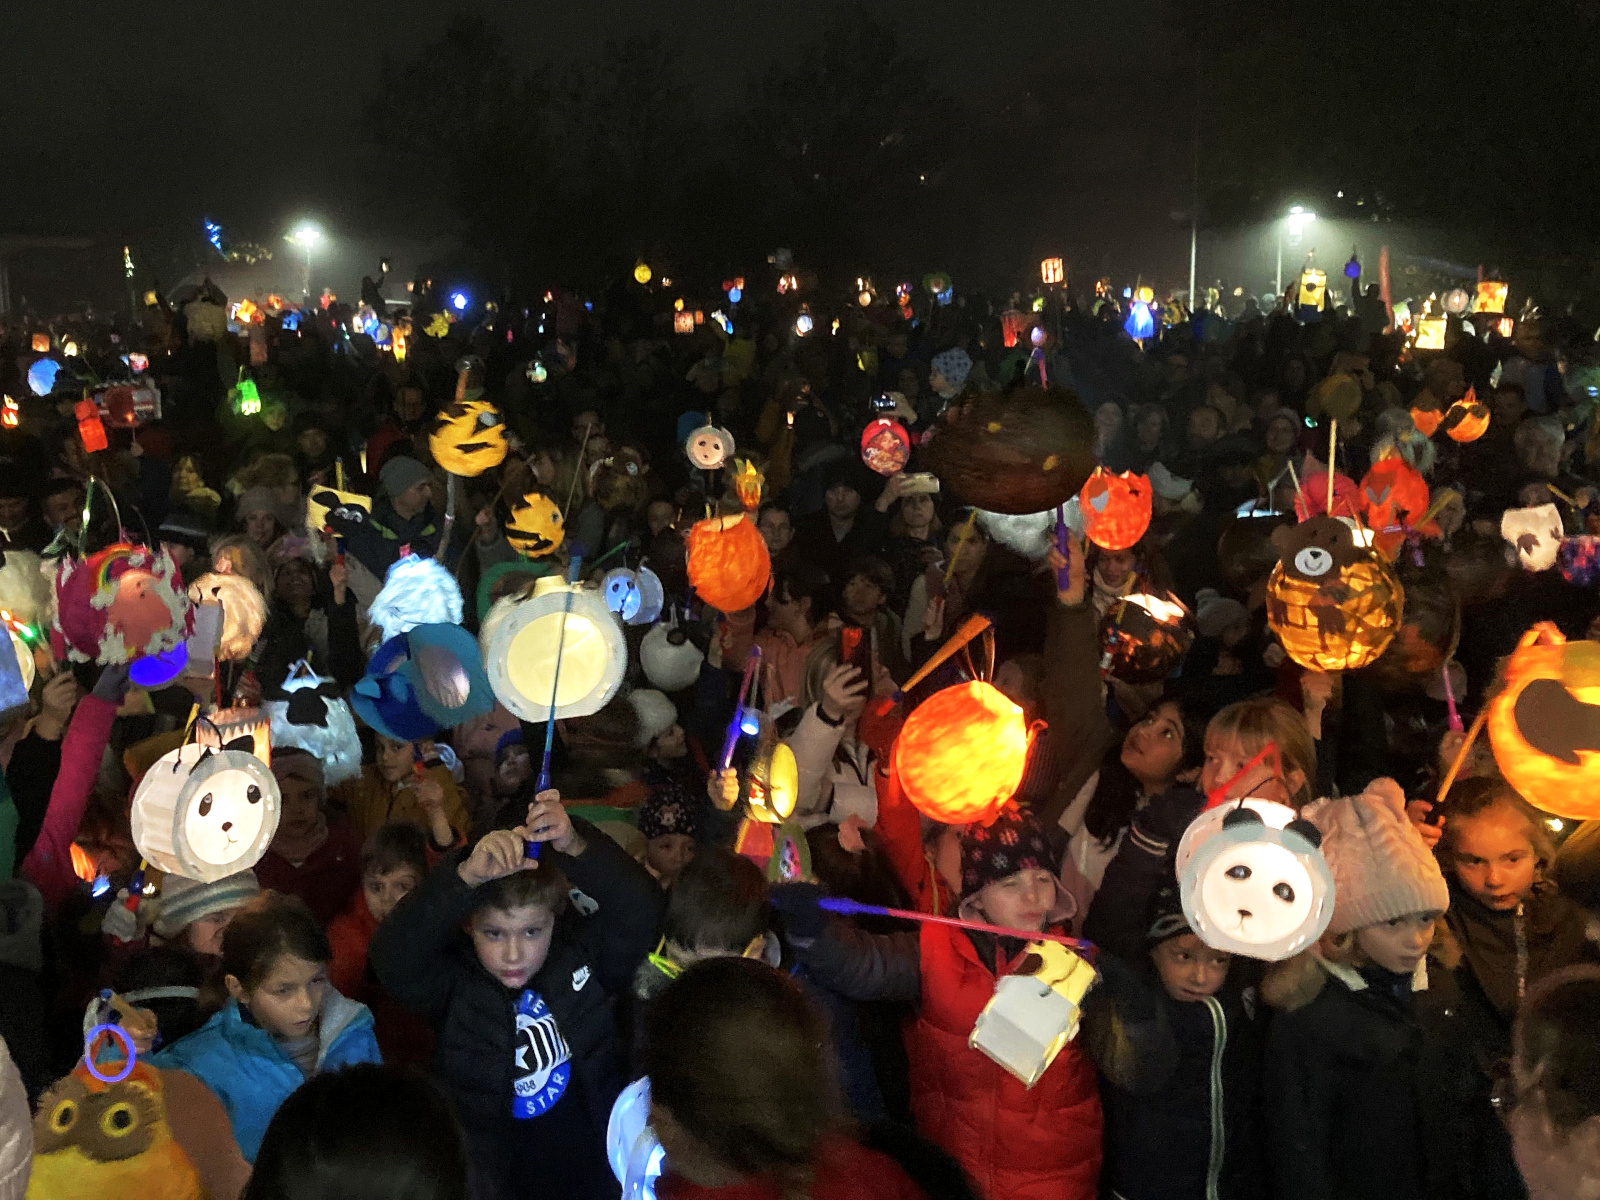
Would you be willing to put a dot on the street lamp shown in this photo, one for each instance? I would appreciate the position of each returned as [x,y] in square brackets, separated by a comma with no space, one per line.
[1297,220]
[308,237]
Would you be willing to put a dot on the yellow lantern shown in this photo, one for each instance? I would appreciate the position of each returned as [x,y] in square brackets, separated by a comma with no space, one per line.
[773,786]
[641,271]
[1491,297]
[1052,270]
[1313,288]
[525,636]
[245,729]
[1430,333]
[1032,1016]
[40,343]
[535,528]
[1145,295]
[1541,721]
[204,813]
[1334,605]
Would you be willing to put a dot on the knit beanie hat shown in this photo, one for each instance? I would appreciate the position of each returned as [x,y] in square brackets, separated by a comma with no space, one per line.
[290,762]
[1215,613]
[256,499]
[657,714]
[1014,842]
[185,528]
[508,739]
[1381,867]
[1166,915]
[401,473]
[665,811]
[185,901]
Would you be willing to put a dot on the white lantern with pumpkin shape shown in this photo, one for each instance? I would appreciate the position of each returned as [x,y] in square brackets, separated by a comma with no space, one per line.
[205,814]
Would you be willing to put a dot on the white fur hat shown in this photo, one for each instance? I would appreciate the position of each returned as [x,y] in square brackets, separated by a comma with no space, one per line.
[656,713]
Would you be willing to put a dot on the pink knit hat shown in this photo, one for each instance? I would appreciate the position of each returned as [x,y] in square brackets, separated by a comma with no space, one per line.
[1381,867]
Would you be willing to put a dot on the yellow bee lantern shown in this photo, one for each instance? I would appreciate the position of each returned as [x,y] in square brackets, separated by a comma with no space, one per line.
[468,438]
[526,636]
[1334,605]
[535,528]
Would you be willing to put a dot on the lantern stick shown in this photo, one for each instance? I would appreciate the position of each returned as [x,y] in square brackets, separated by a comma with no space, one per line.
[851,908]
[751,665]
[1298,494]
[1333,445]
[1063,574]
[449,517]
[961,540]
[970,628]
[531,849]
[1461,754]
[1560,495]
[1450,698]
[572,491]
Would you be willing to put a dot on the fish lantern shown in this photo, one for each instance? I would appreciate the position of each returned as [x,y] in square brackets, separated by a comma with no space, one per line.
[1023,451]
[559,640]
[747,485]
[1393,494]
[1491,296]
[885,446]
[729,567]
[1467,419]
[244,612]
[204,813]
[1034,1012]
[1334,605]
[1455,301]
[90,427]
[1313,288]
[421,682]
[416,591]
[1144,637]
[1430,333]
[1579,559]
[535,528]
[121,604]
[670,660]
[40,343]
[309,714]
[1116,508]
[468,438]
[245,729]
[1536,534]
[709,447]
[961,753]
[1544,722]
[1256,890]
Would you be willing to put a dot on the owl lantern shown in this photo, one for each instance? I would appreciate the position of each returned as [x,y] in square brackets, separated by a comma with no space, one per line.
[244,612]
[961,753]
[1034,1013]
[559,640]
[1334,605]
[1144,637]
[1467,419]
[1544,722]
[204,813]
[535,528]
[121,604]
[468,438]
[1116,508]
[729,567]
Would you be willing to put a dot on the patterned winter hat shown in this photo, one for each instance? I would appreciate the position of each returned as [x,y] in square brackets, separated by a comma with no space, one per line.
[955,365]
[1166,915]
[665,811]
[1014,842]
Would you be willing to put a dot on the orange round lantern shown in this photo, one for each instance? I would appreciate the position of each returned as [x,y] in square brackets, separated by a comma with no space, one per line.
[1116,508]
[1393,493]
[728,562]
[1544,722]
[961,752]
[1333,604]
[1426,420]
[1467,420]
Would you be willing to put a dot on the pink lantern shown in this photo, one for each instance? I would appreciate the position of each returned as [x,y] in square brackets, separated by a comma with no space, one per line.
[121,604]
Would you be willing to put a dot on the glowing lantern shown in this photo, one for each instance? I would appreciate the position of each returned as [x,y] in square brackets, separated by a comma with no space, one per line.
[1467,419]
[1455,301]
[1426,420]
[747,485]
[641,271]
[1033,1015]
[90,427]
[325,504]
[245,398]
[535,528]
[1579,558]
[1013,324]
[709,447]
[1313,288]
[1144,637]
[416,591]
[312,717]
[1024,451]
[683,322]
[961,753]
[1505,326]
[10,413]
[1491,296]
[1544,722]
[523,641]
[244,611]
[40,343]
[1140,322]
[1393,494]
[1536,534]
[468,438]
[1116,508]
[205,814]
[1334,605]
[729,566]
[773,786]
[885,446]
[42,376]
[1430,333]
[120,604]
[1051,270]
[635,596]
[22,636]
[244,729]
[422,681]
[632,1148]
[670,660]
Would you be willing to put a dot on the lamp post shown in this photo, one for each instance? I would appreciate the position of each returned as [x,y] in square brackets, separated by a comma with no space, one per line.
[308,237]
[1297,220]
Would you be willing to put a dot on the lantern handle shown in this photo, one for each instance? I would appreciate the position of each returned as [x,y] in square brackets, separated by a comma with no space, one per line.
[1218,795]
[530,850]
[1461,754]
[95,481]
[1543,631]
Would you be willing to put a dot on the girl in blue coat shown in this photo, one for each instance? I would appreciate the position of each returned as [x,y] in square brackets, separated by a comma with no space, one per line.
[283,1023]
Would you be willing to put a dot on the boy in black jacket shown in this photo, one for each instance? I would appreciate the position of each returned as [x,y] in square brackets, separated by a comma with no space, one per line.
[519,990]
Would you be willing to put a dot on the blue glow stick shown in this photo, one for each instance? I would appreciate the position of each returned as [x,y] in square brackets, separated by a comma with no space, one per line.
[530,848]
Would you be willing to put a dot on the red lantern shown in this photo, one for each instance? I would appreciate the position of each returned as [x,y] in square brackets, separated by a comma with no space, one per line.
[961,752]
[90,428]
[1116,508]
[728,562]
[1013,324]
[1393,493]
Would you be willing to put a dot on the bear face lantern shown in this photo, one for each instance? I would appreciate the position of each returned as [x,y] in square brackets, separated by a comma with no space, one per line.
[205,814]
[524,637]
[1116,508]
[1334,605]
[468,438]
[1544,722]
[961,753]
[729,566]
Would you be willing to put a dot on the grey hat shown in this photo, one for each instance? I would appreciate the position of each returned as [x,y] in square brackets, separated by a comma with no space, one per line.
[1216,613]
[185,901]
[400,474]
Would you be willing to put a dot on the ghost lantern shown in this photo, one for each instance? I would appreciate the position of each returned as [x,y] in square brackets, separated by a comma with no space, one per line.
[1334,605]
[524,638]
[1258,891]
[244,612]
[709,447]
[244,729]
[1143,637]
[1116,508]
[416,591]
[1544,722]
[205,814]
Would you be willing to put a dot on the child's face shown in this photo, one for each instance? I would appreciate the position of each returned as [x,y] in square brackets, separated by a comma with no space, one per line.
[1153,748]
[382,890]
[205,935]
[287,999]
[1398,945]
[1226,756]
[674,743]
[1189,969]
[1019,901]
[394,759]
[512,943]
[669,854]
[1493,857]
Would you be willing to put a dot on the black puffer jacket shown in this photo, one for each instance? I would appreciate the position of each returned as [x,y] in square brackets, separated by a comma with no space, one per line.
[427,963]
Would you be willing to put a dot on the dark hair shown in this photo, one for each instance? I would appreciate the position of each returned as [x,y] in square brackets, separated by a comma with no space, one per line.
[717,902]
[700,1034]
[170,966]
[1117,793]
[803,581]
[266,929]
[543,887]
[364,1132]
[393,845]
[874,570]
[1558,1039]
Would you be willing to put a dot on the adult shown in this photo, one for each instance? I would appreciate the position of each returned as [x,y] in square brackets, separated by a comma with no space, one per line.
[847,527]
[402,518]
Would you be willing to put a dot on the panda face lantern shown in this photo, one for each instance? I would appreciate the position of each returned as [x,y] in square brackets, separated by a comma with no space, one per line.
[205,814]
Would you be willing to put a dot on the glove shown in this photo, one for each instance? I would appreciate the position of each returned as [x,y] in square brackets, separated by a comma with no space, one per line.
[796,905]
[112,684]
[1157,827]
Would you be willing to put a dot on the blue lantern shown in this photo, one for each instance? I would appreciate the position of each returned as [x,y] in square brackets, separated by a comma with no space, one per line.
[1141,322]
[42,376]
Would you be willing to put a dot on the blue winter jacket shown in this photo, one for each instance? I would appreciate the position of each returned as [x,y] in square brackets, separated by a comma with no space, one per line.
[239,1061]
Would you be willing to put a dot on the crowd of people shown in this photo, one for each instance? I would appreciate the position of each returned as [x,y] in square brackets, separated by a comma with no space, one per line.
[460,950]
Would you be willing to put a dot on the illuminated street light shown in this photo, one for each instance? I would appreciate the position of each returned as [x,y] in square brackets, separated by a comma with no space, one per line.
[1297,220]
[308,237]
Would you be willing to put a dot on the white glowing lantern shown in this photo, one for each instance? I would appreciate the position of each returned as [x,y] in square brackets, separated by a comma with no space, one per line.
[244,611]
[632,1148]
[525,637]
[205,814]
[670,660]
[315,719]
[416,591]
[1535,533]
[245,729]
[1030,1018]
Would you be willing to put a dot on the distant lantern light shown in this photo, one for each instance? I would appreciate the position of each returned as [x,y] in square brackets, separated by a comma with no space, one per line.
[42,376]
[458,300]
[683,322]
[1052,270]
[735,294]
[677,305]
[864,299]
[537,372]
[803,324]
[641,271]
[1141,322]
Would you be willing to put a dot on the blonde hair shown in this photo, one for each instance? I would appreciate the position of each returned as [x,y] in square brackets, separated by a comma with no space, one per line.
[1261,720]
[1470,798]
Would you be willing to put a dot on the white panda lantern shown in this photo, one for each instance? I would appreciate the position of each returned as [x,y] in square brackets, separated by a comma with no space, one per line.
[1256,890]
[314,718]
[204,813]
[635,1153]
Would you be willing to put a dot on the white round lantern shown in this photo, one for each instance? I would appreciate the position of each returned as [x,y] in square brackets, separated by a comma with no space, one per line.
[670,660]
[315,719]
[205,814]
[416,591]
[524,637]
[1209,822]
[244,611]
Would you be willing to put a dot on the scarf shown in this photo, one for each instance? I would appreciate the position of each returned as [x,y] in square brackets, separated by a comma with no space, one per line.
[297,849]
[1106,596]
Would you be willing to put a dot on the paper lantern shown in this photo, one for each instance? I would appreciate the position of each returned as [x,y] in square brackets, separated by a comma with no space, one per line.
[729,567]
[416,591]
[1536,534]
[205,814]
[632,1148]
[1544,722]
[1455,301]
[1032,535]
[120,604]
[1115,508]
[522,643]
[1579,559]
[1337,395]
[885,446]
[468,438]
[709,447]
[419,682]
[1034,1014]
[683,322]
[40,343]
[1334,605]
[747,485]
[1313,288]
[244,612]
[1254,890]
[325,506]
[670,660]
[1013,324]
[641,271]
[312,717]
[247,730]
[1144,637]
[1024,451]
[1490,297]
[16,671]
[1052,270]
[1430,333]
[1393,493]
[91,429]
[1209,822]
[20,637]
[535,528]
[961,753]
[10,413]
[1467,420]
[1426,419]
[1140,322]
[772,786]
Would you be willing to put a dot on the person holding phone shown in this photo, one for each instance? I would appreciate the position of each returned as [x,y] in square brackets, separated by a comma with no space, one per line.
[838,771]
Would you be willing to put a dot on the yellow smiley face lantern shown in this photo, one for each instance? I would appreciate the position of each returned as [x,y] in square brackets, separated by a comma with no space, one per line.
[523,640]
[1334,605]
[205,814]
[468,438]
[1544,722]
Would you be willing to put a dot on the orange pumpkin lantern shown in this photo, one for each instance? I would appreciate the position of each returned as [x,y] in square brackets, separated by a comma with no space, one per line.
[961,752]
[1467,420]
[1426,420]
[728,562]
[1116,508]
[1544,722]
[1393,493]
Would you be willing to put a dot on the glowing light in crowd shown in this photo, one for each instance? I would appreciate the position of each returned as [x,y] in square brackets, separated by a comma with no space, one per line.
[213,235]
[459,301]
[42,376]
[803,324]
[641,272]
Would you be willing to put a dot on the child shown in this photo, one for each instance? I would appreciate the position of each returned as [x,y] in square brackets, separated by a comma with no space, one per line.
[1369,1087]
[310,856]
[1552,1104]
[732,1131]
[392,789]
[194,915]
[519,993]
[1012,1140]
[393,862]
[282,1024]
[667,823]
[675,793]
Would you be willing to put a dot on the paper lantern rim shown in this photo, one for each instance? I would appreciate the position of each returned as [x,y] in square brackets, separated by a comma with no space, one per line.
[203,763]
